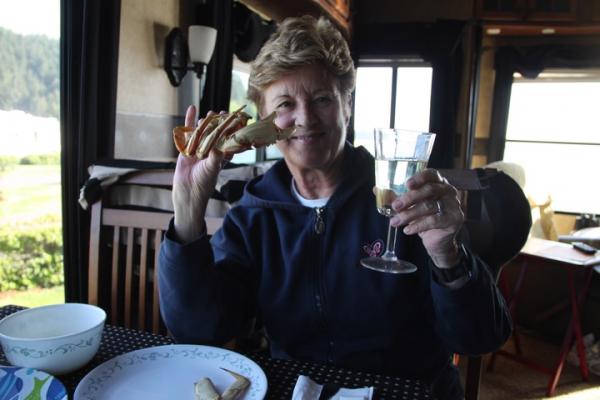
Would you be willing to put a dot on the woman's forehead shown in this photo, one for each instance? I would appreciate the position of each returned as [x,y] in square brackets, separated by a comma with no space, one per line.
[304,80]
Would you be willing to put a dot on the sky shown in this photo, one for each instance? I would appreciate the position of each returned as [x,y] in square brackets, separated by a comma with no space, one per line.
[31,17]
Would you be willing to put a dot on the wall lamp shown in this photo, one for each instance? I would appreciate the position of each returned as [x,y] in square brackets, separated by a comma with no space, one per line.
[201,40]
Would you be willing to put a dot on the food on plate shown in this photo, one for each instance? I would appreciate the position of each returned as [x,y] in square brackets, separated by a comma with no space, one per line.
[205,390]
[240,384]
[228,133]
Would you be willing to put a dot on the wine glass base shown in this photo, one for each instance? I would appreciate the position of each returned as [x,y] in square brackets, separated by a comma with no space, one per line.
[389,266]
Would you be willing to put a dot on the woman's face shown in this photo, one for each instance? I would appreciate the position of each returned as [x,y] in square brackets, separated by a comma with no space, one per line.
[309,99]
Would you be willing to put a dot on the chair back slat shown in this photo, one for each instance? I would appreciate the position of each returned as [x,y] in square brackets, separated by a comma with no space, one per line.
[158,233]
[115,274]
[93,256]
[143,279]
[128,276]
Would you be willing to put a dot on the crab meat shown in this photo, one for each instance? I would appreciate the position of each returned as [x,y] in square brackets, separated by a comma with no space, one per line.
[205,390]
[228,133]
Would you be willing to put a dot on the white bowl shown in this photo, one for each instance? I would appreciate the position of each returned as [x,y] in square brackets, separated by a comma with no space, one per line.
[57,339]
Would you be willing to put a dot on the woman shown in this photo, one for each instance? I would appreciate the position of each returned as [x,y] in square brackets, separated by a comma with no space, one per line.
[289,252]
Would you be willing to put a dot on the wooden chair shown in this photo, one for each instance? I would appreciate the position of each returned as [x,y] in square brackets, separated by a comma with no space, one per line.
[498,221]
[123,253]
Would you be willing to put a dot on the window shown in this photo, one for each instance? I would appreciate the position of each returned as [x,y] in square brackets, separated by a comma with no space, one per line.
[239,88]
[554,133]
[391,94]
[31,264]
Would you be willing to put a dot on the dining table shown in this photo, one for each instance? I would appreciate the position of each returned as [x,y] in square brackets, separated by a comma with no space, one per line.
[281,374]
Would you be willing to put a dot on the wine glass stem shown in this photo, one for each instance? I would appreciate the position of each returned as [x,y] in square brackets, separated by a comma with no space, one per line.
[390,253]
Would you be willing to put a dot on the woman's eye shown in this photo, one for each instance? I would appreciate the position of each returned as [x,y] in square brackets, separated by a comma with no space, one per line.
[284,104]
[323,100]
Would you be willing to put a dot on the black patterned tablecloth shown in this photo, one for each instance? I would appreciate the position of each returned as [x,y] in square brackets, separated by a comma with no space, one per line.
[281,374]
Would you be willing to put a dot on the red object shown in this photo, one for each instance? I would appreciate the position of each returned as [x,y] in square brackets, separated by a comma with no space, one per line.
[546,251]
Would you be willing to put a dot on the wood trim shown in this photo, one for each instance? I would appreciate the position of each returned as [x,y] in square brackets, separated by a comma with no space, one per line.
[549,30]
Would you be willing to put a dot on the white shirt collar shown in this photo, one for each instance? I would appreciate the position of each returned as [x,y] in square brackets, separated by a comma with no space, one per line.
[312,203]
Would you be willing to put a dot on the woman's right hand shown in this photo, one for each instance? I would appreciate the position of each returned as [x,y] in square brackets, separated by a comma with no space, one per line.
[193,184]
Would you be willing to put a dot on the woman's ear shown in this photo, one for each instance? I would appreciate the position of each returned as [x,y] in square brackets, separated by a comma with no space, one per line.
[347,108]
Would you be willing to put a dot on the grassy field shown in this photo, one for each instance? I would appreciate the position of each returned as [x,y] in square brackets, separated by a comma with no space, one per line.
[30,196]
[29,193]
[33,297]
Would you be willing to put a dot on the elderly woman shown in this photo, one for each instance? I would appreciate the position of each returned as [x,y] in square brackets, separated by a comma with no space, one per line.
[289,251]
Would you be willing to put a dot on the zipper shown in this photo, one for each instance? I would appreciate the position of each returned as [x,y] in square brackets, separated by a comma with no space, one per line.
[319,223]
[319,228]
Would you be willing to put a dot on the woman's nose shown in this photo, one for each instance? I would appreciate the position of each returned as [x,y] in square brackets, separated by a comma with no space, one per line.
[304,116]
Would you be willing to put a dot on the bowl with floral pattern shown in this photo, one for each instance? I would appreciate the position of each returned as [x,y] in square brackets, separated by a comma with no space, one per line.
[57,338]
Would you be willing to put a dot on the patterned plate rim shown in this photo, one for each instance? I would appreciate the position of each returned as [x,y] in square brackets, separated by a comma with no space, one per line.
[95,380]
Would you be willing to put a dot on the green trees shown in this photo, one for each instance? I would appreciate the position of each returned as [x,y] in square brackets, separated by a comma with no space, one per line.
[29,74]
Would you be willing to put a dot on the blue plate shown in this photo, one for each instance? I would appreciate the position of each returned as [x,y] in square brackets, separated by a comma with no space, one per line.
[18,383]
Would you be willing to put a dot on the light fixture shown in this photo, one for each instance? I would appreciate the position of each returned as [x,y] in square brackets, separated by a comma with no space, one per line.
[201,41]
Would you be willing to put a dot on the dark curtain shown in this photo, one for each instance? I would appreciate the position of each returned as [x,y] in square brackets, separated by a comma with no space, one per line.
[217,88]
[438,43]
[88,68]
[529,62]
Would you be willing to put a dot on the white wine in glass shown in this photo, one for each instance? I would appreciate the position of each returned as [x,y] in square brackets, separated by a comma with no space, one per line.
[399,154]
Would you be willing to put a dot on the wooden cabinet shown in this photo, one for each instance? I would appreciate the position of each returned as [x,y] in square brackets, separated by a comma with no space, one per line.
[594,10]
[528,10]
[336,10]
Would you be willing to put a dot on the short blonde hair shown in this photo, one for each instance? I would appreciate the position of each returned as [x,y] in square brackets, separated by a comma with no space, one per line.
[297,42]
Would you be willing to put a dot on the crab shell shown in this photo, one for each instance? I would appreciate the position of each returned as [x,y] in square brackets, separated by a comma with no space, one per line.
[198,141]
[228,133]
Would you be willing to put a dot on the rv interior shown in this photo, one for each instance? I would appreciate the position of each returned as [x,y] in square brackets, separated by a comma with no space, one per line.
[510,85]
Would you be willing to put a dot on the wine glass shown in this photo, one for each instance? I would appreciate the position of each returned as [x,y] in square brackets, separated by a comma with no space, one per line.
[399,154]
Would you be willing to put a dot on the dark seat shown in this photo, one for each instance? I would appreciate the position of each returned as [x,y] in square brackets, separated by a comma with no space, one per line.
[498,221]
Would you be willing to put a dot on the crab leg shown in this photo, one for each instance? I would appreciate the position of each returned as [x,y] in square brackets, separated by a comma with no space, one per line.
[207,144]
[196,138]
[236,388]
[260,133]
[181,136]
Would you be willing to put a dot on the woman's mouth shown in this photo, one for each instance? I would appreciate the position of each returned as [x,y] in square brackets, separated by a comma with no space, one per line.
[308,138]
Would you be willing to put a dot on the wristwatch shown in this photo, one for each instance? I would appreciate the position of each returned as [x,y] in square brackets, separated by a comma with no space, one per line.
[447,275]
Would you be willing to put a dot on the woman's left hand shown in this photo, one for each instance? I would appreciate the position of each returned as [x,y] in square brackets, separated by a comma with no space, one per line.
[431,208]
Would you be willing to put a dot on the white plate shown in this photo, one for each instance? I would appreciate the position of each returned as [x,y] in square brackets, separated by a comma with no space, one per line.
[18,383]
[169,372]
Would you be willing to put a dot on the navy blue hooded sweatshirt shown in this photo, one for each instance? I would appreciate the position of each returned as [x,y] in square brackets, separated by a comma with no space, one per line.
[315,300]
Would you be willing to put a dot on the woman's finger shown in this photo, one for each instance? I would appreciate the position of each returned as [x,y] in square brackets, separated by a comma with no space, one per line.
[190,116]
[428,175]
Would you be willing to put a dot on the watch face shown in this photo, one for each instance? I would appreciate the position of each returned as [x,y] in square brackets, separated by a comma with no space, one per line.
[176,56]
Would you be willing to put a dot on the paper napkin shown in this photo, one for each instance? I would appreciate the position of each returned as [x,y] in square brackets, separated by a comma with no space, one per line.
[307,389]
